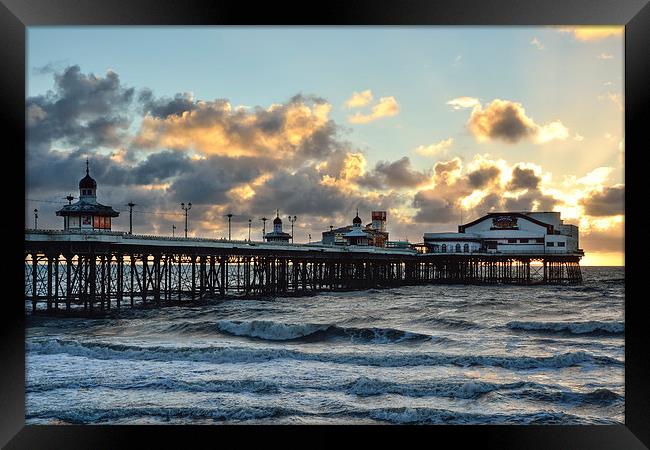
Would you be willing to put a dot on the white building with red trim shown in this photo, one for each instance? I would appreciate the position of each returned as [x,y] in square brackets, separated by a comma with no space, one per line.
[509,232]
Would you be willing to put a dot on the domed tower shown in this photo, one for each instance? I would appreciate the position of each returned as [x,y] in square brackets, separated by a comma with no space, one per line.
[277,235]
[357,236]
[277,223]
[86,214]
[356,222]
[88,188]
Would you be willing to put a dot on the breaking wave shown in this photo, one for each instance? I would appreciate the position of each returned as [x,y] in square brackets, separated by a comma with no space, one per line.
[584,328]
[276,331]
[231,354]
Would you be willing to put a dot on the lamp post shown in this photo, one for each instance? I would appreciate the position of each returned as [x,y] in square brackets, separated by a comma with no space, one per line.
[249,229]
[69,198]
[263,219]
[292,220]
[229,216]
[130,205]
[310,238]
[35,219]
[186,209]
[173,229]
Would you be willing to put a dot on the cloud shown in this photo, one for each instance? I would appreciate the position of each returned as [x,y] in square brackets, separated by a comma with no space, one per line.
[396,174]
[593,32]
[463,102]
[82,111]
[536,42]
[608,202]
[295,130]
[359,99]
[507,121]
[437,149]
[578,137]
[605,56]
[386,107]
[617,99]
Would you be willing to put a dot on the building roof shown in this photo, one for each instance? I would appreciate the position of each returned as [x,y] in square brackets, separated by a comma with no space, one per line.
[356,232]
[83,207]
[87,182]
[549,227]
[277,221]
[275,234]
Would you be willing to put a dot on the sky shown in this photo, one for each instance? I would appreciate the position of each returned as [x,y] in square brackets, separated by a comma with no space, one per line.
[433,124]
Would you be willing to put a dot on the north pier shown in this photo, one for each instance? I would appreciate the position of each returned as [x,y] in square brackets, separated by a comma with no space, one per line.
[73,270]
[90,268]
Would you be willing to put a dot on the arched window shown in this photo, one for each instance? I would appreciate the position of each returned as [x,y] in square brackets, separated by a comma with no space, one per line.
[457,248]
[444,248]
[466,248]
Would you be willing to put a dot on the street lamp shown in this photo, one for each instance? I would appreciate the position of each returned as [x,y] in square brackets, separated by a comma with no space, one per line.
[249,229]
[130,205]
[292,222]
[310,238]
[35,219]
[186,209]
[263,219]
[173,229]
[229,216]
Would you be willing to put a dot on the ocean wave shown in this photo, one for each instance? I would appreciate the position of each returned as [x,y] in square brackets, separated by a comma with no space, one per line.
[277,331]
[600,397]
[365,386]
[397,415]
[232,354]
[405,415]
[583,328]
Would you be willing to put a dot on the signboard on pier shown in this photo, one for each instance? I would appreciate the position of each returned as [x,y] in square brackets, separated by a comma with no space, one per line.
[504,223]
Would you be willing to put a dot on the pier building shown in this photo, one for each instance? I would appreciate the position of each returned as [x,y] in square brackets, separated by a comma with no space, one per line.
[277,235]
[86,213]
[509,232]
[375,232]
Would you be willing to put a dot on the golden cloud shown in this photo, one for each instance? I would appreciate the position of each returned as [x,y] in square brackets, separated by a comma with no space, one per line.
[386,107]
[359,99]
[437,149]
[213,128]
[593,32]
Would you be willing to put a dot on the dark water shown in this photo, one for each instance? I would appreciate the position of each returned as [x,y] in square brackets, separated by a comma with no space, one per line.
[428,354]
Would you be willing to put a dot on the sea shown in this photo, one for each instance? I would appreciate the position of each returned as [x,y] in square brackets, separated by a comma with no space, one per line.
[435,354]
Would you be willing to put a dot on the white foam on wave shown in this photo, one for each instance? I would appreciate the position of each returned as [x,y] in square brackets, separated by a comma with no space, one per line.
[231,354]
[588,327]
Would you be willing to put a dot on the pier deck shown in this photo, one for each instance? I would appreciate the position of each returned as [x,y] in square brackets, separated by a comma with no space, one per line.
[68,270]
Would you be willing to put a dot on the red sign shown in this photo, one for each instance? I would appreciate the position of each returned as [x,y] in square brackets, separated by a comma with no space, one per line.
[379,215]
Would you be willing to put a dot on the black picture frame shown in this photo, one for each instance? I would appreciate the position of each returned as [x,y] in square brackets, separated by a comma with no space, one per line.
[16,15]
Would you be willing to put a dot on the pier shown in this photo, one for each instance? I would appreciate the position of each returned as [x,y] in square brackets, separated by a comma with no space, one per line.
[68,271]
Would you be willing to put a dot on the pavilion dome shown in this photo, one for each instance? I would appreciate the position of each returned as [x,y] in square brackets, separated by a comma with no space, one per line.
[277,221]
[356,220]
[87,182]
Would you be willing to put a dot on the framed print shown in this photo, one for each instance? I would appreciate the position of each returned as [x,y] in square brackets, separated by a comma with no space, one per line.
[414,218]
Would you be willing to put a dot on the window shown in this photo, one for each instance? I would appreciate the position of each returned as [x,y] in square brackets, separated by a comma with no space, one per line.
[561,244]
[444,248]
[466,248]
[457,248]
[550,244]
[523,241]
[512,241]
[539,240]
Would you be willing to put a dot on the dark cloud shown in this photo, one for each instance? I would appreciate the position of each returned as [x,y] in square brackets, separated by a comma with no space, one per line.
[502,119]
[433,209]
[165,107]
[609,202]
[299,193]
[523,179]
[483,176]
[396,174]
[83,110]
